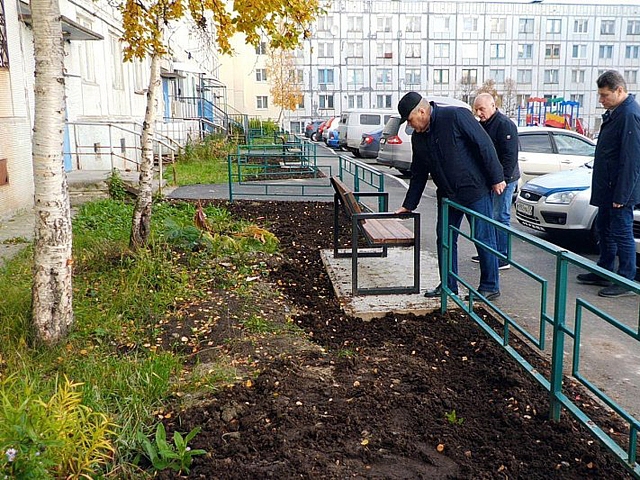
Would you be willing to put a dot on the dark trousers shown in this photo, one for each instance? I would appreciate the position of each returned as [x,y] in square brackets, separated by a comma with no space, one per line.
[615,230]
[485,233]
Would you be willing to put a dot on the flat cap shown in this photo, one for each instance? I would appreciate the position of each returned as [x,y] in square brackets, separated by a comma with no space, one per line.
[407,104]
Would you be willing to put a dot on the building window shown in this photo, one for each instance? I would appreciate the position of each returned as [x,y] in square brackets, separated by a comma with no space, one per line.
[441,50]
[579,51]
[554,25]
[469,76]
[412,77]
[4,47]
[354,24]
[470,51]
[383,24]
[384,50]
[525,25]
[631,76]
[633,27]
[524,75]
[300,101]
[525,50]
[383,75]
[325,49]
[577,76]
[117,80]
[354,49]
[262,101]
[383,101]
[324,24]
[326,101]
[497,75]
[355,77]
[632,51]
[261,74]
[552,50]
[299,75]
[498,50]
[552,76]
[325,75]
[354,101]
[87,65]
[412,50]
[441,76]
[498,25]
[441,24]
[580,25]
[605,51]
[470,24]
[413,24]
[607,27]
[261,48]
[577,97]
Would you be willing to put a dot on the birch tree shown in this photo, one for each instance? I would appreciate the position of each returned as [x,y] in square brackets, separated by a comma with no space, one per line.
[52,306]
[284,22]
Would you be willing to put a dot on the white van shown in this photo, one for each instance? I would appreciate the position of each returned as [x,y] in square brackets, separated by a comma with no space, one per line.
[355,122]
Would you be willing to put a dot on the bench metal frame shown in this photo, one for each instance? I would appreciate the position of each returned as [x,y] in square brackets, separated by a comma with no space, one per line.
[357,220]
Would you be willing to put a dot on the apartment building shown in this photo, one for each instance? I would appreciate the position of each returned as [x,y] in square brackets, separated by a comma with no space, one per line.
[368,53]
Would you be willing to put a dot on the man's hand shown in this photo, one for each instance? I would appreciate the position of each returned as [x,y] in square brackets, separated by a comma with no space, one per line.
[402,210]
[498,188]
[618,205]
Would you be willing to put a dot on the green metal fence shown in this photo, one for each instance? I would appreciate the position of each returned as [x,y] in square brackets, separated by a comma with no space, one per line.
[557,321]
[292,167]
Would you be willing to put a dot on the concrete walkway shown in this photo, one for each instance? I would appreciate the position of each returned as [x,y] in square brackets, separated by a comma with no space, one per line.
[15,233]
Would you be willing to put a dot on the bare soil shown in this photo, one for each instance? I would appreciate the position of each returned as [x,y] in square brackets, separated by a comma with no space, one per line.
[400,397]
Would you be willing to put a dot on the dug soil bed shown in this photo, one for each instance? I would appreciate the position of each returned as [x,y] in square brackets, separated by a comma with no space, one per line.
[400,397]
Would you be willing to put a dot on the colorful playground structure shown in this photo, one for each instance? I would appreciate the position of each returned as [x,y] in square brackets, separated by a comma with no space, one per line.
[551,112]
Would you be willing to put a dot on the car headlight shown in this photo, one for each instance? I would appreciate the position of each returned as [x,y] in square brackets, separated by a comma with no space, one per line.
[561,197]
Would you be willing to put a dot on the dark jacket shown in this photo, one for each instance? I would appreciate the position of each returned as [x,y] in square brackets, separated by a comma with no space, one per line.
[616,167]
[504,134]
[458,154]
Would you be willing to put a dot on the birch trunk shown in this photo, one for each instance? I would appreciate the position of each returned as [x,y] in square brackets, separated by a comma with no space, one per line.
[52,306]
[141,225]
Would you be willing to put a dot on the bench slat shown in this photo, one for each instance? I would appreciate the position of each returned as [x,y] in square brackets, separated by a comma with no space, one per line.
[387,232]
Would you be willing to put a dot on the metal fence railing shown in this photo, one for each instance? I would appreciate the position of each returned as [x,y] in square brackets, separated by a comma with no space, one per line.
[563,328]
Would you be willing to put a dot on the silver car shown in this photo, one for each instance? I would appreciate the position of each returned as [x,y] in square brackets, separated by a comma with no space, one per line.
[558,201]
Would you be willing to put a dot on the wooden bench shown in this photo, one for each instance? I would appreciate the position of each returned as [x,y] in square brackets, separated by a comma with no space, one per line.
[380,230]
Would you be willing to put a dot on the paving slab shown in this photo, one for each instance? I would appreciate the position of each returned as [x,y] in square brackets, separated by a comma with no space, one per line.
[397,270]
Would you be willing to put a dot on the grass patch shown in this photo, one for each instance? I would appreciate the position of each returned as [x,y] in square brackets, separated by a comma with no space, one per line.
[202,162]
[115,370]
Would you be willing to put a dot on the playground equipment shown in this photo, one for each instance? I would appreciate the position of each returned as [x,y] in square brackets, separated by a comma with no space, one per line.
[551,112]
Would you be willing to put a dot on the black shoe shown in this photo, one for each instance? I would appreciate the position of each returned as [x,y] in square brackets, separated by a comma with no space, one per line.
[488,295]
[475,259]
[502,265]
[436,292]
[615,291]
[592,279]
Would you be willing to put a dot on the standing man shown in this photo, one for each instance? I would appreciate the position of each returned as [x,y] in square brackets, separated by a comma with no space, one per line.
[615,188]
[504,135]
[449,144]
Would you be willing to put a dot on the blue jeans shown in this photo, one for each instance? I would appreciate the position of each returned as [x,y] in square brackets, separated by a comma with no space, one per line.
[502,213]
[615,228]
[485,233]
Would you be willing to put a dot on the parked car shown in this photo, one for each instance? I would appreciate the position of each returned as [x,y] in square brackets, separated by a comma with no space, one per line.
[316,137]
[548,149]
[370,144]
[355,122]
[311,128]
[395,143]
[333,140]
[330,127]
[558,201]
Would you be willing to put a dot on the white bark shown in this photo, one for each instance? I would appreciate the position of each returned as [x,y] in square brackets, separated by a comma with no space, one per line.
[142,212]
[52,282]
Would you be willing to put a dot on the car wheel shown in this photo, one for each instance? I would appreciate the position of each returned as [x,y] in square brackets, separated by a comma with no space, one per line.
[315,136]
[356,153]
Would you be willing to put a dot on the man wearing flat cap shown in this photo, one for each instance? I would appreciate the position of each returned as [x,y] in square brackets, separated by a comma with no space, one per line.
[451,146]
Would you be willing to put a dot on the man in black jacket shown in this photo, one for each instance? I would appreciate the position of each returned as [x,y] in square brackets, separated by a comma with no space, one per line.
[615,183]
[450,144]
[504,134]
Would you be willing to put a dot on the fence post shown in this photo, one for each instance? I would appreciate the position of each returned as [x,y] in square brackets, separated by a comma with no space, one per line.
[557,347]
[445,253]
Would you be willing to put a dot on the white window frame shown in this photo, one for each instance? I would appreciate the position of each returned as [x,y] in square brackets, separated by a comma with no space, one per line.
[554,25]
[262,102]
